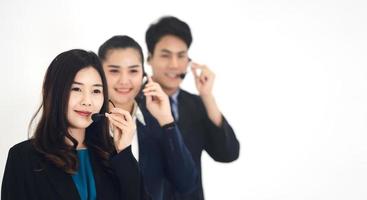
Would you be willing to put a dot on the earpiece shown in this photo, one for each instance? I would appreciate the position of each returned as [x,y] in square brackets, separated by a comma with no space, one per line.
[140,97]
[182,75]
[98,116]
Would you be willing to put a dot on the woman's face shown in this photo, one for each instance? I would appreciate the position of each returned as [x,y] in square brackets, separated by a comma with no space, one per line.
[124,73]
[86,98]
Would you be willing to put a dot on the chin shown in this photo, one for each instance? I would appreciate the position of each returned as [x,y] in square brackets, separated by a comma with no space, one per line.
[120,102]
[82,125]
[172,87]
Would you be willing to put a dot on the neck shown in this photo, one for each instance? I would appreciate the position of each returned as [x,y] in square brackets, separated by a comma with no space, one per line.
[79,136]
[169,91]
[127,106]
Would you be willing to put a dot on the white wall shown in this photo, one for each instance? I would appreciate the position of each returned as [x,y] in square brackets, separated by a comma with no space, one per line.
[291,79]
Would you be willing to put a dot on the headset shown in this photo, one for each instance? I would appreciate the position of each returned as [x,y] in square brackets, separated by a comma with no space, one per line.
[140,97]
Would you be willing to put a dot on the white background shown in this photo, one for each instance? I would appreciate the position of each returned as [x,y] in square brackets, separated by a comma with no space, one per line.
[291,79]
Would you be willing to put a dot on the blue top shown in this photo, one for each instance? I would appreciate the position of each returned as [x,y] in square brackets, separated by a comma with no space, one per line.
[84,178]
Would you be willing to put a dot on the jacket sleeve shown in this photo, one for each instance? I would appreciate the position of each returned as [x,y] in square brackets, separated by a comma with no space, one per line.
[179,164]
[13,185]
[127,171]
[221,142]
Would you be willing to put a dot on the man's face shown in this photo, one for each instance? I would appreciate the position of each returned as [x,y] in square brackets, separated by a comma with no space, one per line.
[169,60]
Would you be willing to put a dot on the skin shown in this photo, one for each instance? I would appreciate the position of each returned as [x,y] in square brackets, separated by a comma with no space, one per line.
[86,98]
[170,58]
[124,73]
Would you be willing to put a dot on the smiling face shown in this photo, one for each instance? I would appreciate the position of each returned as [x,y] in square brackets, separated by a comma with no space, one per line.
[169,60]
[124,73]
[86,98]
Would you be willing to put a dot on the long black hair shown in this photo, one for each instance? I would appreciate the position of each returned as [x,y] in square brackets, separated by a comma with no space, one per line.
[52,129]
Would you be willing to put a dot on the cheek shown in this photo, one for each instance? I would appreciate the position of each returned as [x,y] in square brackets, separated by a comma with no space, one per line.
[183,66]
[137,82]
[111,80]
[158,70]
[73,99]
[99,102]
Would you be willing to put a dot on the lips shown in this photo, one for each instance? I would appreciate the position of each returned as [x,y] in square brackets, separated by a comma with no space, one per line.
[123,90]
[83,113]
[172,75]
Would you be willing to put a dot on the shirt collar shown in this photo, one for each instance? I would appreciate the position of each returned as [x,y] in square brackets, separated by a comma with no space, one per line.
[137,114]
[174,96]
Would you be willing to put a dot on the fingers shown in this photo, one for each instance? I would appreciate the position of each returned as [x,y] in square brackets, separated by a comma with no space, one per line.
[121,119]
[116,112]
[201,73]
[150,80]
[153,89]
[117,121]
[123,127]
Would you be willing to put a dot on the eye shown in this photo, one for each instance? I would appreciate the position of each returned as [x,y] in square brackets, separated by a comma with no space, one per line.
[97,91]
[76,89]
[114,71]
[165,56]
[133,71]
[181,56]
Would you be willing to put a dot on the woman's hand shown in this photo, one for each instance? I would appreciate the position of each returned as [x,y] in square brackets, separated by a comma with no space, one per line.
[158,102]
[123,128]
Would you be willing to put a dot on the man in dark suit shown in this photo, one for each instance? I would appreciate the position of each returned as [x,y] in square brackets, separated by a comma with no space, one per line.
[202,125]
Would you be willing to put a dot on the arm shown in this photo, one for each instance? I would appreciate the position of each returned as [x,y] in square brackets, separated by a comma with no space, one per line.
[127,171]
[180,167]
[124,163]
[221,143]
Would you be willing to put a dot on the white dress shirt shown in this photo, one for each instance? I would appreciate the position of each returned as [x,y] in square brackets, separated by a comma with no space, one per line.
[136,115]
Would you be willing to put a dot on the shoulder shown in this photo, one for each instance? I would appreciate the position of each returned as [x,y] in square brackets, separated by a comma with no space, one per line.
[23,150]
[191,100]
[22,146]
[187,96]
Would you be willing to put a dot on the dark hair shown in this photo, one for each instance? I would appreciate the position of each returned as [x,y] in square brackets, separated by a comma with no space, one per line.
[51,130]
[120,42]
[168,25]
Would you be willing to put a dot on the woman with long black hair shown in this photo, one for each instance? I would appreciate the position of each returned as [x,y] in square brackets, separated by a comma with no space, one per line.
[70,156]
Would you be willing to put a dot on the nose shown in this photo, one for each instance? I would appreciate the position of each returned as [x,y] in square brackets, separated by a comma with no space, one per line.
[174,62]
[123,79]
[87,100]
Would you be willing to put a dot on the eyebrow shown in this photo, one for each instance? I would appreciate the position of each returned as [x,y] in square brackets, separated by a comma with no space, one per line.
[113,66]
[118,67]
[134,66]
[96,85]
[168,51]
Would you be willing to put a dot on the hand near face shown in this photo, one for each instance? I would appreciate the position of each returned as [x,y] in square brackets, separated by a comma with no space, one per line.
[157,102]
[123,128]
[204,80]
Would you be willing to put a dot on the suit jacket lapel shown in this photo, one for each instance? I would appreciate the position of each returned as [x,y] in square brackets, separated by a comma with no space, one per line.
[183,110]
[142,136]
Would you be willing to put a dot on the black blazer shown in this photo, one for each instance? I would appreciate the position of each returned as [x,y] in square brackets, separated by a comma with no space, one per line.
[29,176]
[199,133]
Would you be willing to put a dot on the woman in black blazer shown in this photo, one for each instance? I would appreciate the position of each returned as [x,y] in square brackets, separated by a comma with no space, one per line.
[52,165]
